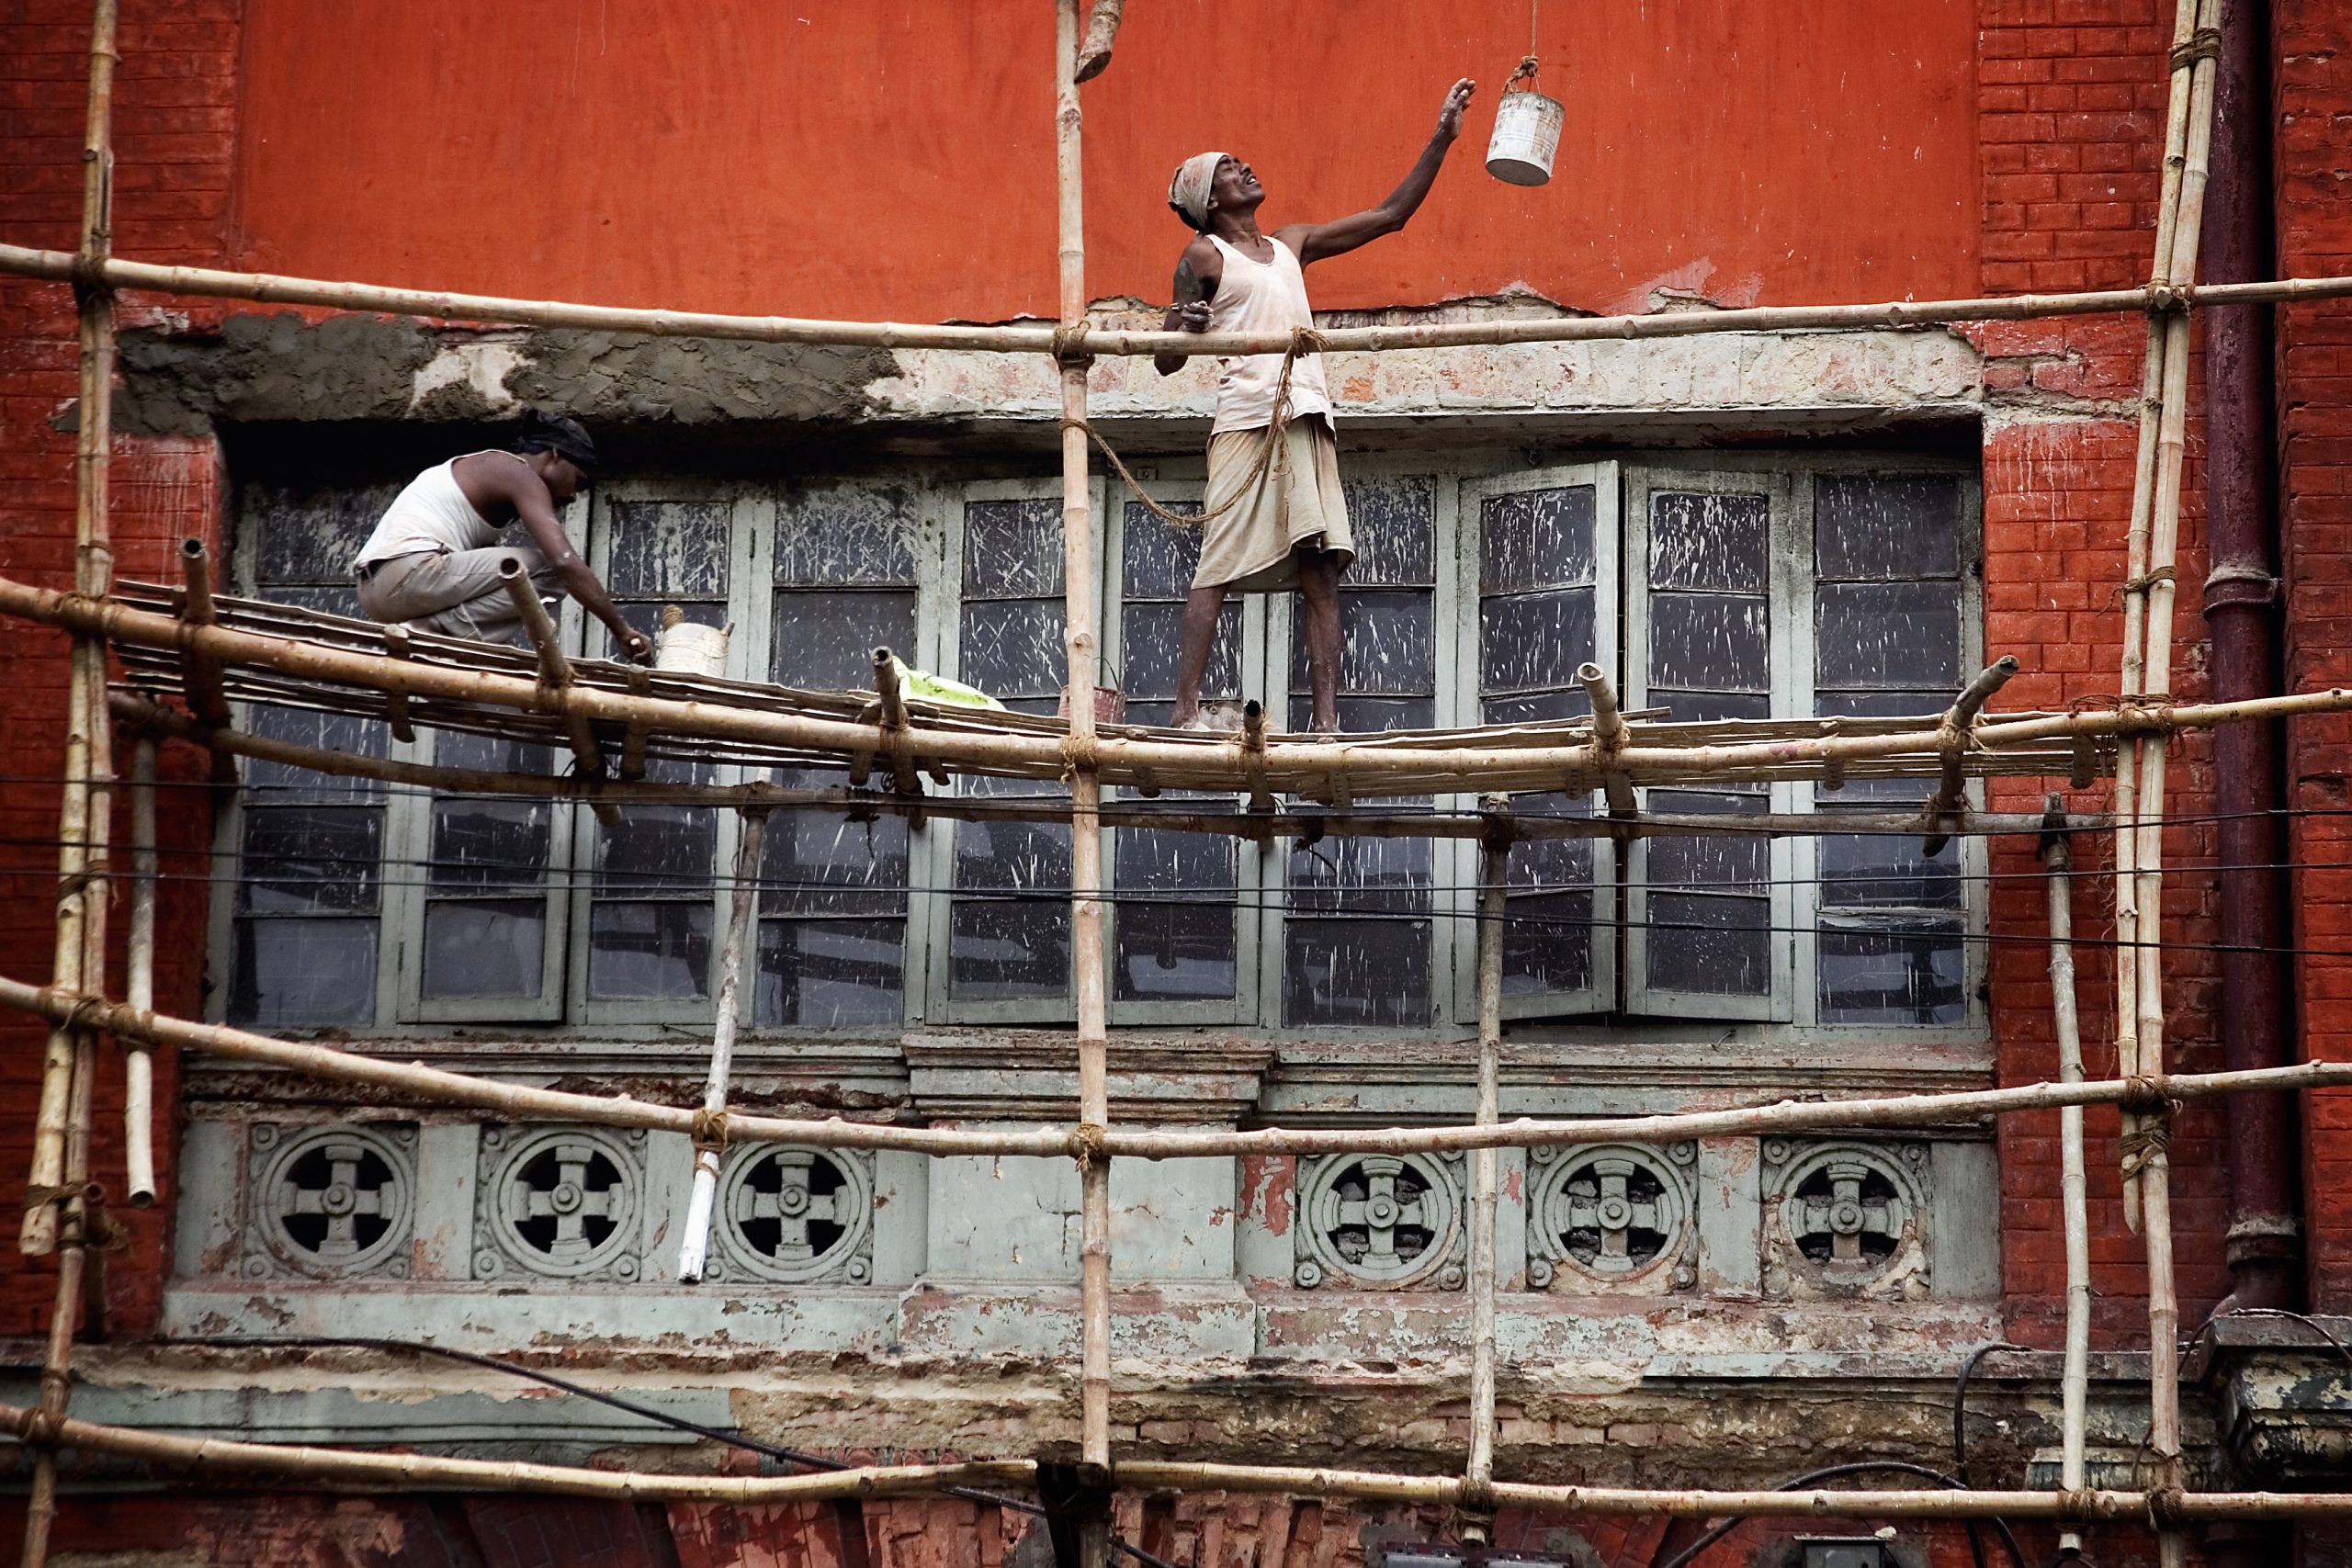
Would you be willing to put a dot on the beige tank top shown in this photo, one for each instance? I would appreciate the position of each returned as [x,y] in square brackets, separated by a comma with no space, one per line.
[1263,296]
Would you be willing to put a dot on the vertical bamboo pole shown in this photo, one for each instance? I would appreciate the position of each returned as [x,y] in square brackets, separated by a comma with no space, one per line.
[138,1061]
[60,1134]
[694,1242]
[2135,592]
[2074,1180]
[1494,871]
[1086,793]
[2164,1305]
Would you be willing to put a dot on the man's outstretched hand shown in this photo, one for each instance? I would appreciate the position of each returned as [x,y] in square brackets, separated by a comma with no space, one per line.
[1457,98]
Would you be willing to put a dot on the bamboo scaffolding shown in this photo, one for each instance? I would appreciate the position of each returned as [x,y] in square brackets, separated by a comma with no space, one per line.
[2074,1180]
[443,305]
[1436,763]
[710,1135]
[1085,795]
[149,718]
[555,673]
[1952,772]
[138,1062]
[1494,887]
[424,1085]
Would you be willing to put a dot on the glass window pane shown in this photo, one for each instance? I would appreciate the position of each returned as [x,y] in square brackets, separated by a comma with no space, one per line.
[1394,522]
[1013,549]
[1716,544]
[656,848]
[307,535]
[1886,525]
[1157,557]
[1152,641]
[1355,972]
[301,859]
[1547,944]
[1387,645]
[821,862]
[1173,934]
[1709,946]
[288,973]
[1001,951]
[491,845]
[1706,707]
[1900,973]
[1887,634]
[1014,647]
[830,974]
[1538,539]
[828,535]
[331,732]
[1862,869]
[1710,642]
[483,948]
[649,952]
[1531,641]
[825,641]
[668,549]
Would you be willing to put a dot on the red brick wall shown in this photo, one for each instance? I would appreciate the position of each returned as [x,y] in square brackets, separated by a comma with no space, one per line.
[175,116]
[2311,83]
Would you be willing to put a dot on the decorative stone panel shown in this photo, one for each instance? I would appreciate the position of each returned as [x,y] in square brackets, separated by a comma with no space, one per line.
[1381,1223]
[1846,1220]
[561,1202]
[1612,1218]
[796,1215]
[331,1203]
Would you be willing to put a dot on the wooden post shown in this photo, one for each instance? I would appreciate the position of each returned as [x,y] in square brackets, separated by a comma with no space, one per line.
[710,1139]
[138,1062]
[57,1208]
[1494,877]
[1086,798]
[2073,1181]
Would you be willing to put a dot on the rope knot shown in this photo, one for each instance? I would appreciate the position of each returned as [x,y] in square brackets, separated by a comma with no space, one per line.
[37,1428]
[1081,753]
[2145,1095]
[2205,43]
[1089,1145]
[710,1132]
[82,1017]
[2079,1503]
[1305,340]
[2167,1507]
[1069,345]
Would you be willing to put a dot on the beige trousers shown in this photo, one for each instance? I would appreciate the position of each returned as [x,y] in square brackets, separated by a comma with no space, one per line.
[456,593]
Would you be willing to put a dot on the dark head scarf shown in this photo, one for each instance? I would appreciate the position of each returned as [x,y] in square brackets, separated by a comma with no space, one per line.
[561,435]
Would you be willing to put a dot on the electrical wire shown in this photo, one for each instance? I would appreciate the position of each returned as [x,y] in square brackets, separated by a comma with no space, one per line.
[1689,1553]
[805,1458]
[1960,1433]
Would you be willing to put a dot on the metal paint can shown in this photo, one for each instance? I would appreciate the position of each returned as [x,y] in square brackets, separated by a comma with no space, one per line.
[690,649]
[1527,135]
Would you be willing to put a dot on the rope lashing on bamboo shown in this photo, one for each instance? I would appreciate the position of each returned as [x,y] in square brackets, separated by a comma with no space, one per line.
[1089,1145]
[1273,453]
[2205,43]
[36,1428]
[2142,584]
[2147,1130]
[1069,345]
[709,1134]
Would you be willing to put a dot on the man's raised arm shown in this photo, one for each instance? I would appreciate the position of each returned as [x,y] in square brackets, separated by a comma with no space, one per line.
[534,508]
[1314,242]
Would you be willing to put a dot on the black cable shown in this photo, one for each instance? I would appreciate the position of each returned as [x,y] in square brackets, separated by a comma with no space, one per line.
[802,1457]
[1864,1467]
[1959,1432]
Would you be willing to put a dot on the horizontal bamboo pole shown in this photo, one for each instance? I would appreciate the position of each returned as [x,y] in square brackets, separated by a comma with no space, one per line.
[309,1462]
[1292,766]
[520,1102]
[442,305]
[1695,1504]
[145,715]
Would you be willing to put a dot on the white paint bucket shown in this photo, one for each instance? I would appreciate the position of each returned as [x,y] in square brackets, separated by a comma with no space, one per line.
[689,650]
[1527,134]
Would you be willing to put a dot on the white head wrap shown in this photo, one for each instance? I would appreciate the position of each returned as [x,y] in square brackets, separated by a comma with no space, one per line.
[1188,192]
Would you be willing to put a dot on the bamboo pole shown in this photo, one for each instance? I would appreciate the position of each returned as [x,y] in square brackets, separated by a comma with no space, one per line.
[443,305]
[1957,722]
[138,1062]
[392,1470]
[57,1210]
[1478,1475]
[894,724]
[1380,1486]
[424,1085]
[1101,34]
[200,674]
[1086,799]
[555,673]
[1608,738]
[710,1135]
[2072,1180]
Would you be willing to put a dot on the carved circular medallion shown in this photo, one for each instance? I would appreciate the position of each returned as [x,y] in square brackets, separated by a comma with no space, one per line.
[1612,1215]
[336,1200]
[563,1202]
[1379,1221]
[791,1214]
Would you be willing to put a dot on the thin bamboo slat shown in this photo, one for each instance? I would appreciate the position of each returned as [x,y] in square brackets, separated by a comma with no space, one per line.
[443,305]
[138,1062]
[2074,1179]
[710,1141]
[1494,879]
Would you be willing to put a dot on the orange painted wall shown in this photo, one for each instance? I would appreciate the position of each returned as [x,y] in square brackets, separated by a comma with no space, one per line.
[857,158]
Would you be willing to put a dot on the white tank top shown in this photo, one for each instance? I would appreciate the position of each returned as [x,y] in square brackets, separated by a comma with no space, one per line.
[432,515]
[1263,296]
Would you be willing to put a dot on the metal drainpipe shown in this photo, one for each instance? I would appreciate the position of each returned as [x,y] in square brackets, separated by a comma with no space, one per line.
[2242,614]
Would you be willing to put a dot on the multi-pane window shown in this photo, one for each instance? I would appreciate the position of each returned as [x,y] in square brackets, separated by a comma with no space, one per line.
[1835,587]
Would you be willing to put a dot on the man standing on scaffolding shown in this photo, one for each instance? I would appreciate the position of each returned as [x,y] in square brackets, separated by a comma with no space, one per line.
[1272,516]
[434,561]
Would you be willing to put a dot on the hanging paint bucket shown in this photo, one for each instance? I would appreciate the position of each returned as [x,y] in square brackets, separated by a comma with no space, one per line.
[1527,135]
[689,650]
